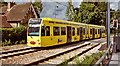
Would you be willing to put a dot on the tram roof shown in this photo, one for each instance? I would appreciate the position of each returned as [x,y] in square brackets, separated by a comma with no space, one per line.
[65,21]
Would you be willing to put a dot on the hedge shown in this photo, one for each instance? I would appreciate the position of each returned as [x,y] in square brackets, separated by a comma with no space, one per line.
[14,35]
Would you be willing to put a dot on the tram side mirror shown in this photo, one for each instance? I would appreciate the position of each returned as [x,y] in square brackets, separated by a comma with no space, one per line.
[44,26]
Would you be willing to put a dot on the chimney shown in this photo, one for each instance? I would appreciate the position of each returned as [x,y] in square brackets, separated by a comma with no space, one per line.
[10,4]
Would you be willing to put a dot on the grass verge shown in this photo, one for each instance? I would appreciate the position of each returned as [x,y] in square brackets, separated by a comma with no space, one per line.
[90,60]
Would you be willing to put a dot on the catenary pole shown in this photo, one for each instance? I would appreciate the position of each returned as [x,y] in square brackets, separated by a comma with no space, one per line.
[108,23]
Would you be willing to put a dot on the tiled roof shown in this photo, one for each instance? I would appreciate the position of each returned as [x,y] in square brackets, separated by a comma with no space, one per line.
[18,12]
[4,22]
[3,9]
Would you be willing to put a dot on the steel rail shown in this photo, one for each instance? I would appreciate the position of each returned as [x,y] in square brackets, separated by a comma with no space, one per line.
[55,55]
[83,52]
[16,50]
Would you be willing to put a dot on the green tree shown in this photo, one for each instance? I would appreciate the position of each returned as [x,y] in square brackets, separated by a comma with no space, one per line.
[92,13]
[38,7]
[3,3]
[70,11]
[118,13]
[88,12]
[114,15]
[75,14]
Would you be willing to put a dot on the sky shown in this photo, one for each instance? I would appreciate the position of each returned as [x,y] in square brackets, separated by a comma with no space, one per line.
[49,8]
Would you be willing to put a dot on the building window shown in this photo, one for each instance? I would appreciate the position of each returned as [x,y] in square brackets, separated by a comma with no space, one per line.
[42,31]
[91,31]
[56,31]
[73,31]
[63,31]
[78,31]
[47,30]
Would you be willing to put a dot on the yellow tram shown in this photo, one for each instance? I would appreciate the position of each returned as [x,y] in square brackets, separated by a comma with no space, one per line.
[44,32]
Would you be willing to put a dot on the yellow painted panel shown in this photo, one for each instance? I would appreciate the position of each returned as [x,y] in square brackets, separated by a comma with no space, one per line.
[35,39]
[61,39]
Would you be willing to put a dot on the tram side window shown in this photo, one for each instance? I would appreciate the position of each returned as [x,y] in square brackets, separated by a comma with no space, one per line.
[83,31]
[78,31]
[87,31]
[98,31]
[73,31]
[42,31]
[56,31]
[91,31]
[103,31]
[95,31]
[48,31]
[63,31]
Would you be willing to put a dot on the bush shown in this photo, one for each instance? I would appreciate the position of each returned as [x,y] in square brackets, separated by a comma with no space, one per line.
[113,30]
[14,34]
[17,42]
[6,43]
[22,42]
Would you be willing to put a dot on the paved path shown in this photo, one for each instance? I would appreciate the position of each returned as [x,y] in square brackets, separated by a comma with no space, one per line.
[115,60]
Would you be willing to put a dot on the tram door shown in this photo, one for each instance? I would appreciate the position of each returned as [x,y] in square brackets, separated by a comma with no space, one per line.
[69,37]
[100,33]
[81,32]
[93,32]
